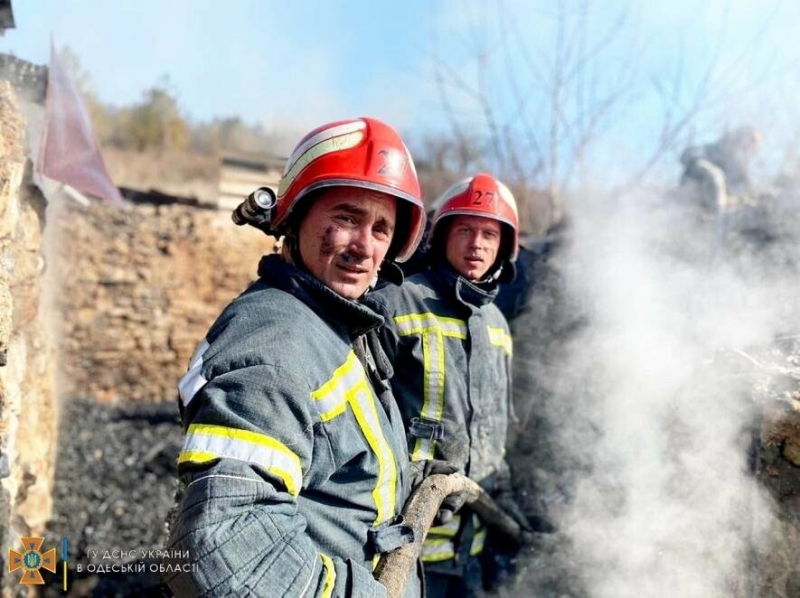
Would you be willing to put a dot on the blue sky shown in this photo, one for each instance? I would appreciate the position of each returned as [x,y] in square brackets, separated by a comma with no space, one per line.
[293,65]
[258,59]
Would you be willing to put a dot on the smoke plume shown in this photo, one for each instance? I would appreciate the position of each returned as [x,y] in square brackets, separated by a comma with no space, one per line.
[644,417]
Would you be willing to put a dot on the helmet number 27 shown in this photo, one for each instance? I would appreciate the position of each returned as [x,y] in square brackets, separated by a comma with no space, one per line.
[482,198]
[394,164]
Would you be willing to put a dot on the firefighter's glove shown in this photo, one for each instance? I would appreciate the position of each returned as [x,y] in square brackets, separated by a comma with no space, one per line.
[420,470]
[450,505]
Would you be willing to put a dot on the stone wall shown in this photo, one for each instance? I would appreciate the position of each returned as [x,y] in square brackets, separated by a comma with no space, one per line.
[27,404]
[139,289]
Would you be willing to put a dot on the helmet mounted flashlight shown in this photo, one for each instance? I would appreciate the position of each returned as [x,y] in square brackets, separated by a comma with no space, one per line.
[256,209]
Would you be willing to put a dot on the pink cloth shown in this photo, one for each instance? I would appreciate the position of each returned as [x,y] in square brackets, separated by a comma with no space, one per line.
[70,152]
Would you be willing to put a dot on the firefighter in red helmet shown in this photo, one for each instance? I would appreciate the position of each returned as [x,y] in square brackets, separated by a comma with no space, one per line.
[451,350]
[294,466]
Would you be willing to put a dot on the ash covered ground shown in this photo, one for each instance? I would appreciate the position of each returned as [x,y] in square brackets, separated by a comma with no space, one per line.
[115,486]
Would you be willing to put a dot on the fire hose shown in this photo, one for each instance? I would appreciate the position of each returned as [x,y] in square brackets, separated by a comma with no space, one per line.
[396,567]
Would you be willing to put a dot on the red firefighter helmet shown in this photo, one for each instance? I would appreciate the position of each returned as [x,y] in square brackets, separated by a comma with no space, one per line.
[485,196]
[362,152]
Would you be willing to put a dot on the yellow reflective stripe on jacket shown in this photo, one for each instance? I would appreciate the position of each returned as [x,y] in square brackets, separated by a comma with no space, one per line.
[331,398]
[436,550]
[479,539]
[330,575]
[500,338]
[432,389]
[420,323]
[206,442]
[349,386]
[433,330]
[438,545]
[448,530]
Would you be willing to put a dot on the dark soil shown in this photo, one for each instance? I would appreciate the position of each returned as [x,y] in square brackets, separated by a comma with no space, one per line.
[115,485]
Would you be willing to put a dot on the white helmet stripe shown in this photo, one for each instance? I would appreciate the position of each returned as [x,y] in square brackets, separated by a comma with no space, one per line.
[330,140]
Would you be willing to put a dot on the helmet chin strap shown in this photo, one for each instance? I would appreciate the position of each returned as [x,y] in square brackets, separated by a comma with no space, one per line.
[504,272]
[494,275]
[391,272]
[291,250]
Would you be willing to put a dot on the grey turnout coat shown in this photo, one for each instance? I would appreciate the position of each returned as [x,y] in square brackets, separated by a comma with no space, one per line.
[294,462]
[451,351]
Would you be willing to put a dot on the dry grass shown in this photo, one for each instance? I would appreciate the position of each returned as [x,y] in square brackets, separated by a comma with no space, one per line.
[175,173]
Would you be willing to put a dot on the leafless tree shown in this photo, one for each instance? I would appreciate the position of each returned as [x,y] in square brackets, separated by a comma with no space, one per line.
[535,103]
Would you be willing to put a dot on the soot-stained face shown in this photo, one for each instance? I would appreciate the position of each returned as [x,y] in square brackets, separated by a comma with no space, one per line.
[345,236]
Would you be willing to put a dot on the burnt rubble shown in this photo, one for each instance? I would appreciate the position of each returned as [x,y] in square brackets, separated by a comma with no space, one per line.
[115,486]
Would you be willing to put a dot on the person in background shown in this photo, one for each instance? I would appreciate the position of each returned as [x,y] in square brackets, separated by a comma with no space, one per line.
[294,466]
[720,169]
[452,353]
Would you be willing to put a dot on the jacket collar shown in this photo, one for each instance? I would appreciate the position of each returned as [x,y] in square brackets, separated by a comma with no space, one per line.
[464,291]
[351,318]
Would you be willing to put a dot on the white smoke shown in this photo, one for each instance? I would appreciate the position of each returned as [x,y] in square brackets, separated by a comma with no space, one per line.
[662,501]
